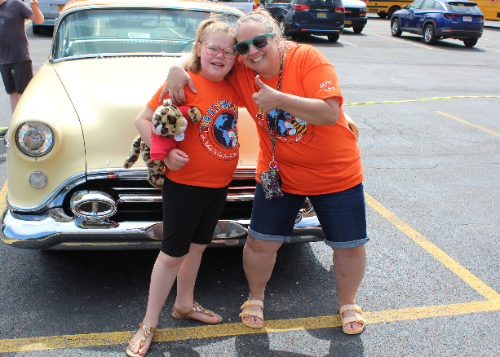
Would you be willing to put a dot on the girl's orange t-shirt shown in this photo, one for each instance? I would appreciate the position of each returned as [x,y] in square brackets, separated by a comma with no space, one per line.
[313,159]
[211,144]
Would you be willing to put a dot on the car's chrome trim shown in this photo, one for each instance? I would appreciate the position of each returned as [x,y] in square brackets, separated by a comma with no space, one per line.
[56,231]
[55,199]
[109,55]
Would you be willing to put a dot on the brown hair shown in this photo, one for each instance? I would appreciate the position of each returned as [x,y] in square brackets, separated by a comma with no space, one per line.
[208,27]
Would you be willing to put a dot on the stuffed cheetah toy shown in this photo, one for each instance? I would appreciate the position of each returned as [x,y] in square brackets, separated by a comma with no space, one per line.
[168,121]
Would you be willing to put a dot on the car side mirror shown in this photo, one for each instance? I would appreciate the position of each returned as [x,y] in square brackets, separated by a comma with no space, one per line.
[263,2]
[405,7]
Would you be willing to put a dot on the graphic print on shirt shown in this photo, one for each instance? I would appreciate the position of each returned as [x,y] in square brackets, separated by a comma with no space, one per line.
[218,132]
[290,129]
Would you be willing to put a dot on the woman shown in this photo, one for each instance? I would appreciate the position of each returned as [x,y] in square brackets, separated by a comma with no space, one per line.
[293,94]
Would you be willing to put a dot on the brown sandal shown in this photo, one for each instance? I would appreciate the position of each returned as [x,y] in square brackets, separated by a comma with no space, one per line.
[258,314]
[358,318]
[196,308]
[146,331]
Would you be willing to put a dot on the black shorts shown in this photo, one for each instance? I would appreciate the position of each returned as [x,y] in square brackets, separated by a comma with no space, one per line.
[190,214]
[16,76]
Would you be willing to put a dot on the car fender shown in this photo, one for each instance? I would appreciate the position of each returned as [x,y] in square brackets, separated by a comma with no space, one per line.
[44,100]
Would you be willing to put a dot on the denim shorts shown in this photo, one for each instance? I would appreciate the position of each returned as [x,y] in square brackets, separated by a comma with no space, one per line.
[342,216]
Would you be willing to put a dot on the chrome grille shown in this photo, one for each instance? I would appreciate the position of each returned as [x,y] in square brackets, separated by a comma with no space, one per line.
[137,200]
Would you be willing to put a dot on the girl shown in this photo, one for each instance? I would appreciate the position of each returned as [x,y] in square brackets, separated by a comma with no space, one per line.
[197,180]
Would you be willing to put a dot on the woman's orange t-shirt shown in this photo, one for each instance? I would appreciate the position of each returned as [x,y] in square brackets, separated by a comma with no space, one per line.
[211,144]
[313,159]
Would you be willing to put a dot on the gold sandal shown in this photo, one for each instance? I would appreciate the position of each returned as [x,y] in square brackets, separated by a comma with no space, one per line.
[358,318]
[249,312]
[196,308]
[146,331]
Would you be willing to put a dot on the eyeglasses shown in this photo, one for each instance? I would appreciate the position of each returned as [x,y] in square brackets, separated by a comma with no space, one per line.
[258,42]
[212,50]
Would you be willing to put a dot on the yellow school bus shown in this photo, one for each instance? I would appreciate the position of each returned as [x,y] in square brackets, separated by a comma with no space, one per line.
[385,8]
[489,8]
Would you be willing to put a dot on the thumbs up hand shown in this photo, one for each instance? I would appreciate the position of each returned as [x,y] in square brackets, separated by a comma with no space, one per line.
[266,98]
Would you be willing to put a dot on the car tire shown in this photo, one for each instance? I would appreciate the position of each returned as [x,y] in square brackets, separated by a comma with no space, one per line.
[37,30]
[392,10]
[470,42]
[357,29]
[429,36]
[334,38]
[396,27]
[382,15]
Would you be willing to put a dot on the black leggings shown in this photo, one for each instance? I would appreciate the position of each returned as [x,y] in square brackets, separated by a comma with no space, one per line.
[190,214]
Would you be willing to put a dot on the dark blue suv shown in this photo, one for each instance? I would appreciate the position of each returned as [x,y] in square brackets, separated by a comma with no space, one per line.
[435,19]
[317,17]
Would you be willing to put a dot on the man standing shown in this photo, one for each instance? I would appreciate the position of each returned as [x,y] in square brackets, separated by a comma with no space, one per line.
[15,59]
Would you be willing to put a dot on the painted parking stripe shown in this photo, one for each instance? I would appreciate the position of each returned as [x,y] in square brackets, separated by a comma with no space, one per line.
[224,330]
[227,330]
[423,99]
[403,41]
[468,123]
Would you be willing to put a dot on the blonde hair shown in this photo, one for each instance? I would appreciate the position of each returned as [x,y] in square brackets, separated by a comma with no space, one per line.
[268,24]
[208,27]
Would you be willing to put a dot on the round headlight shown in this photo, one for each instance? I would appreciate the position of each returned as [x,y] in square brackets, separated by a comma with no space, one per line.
[35,139]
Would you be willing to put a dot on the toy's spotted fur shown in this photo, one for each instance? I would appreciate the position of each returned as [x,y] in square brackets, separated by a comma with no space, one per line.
[167,121]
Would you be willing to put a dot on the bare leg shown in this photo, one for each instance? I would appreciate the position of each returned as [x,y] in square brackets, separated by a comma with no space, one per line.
[349,266]
[14,99]
[162,278]
[259,258]
[186,279]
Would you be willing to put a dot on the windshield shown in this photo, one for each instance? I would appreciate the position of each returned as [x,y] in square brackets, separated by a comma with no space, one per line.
[107,31]
[465,8]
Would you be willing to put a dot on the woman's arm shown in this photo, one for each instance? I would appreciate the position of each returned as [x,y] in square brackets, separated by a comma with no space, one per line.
[37,14]
[311,110]
[143,124]
[177,78]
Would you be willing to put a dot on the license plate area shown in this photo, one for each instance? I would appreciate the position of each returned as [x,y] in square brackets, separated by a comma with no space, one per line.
[60,7]
[467,18]
[321,15]
[347,22]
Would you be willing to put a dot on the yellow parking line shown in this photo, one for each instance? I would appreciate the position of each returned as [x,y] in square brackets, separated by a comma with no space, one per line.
[466,122]
[224,330]
[414,44]
[445,259]
[349,43]
[237,329]
[424,99]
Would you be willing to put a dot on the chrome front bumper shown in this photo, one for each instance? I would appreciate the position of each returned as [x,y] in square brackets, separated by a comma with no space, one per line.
[57,231]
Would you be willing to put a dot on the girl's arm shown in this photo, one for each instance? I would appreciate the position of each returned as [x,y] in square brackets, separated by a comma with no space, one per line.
[311,110]
[143,124]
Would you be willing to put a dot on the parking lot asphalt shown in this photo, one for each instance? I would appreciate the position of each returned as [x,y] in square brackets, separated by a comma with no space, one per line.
[431,287]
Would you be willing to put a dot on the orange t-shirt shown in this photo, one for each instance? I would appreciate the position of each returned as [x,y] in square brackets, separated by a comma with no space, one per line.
[211,144]
[313,159]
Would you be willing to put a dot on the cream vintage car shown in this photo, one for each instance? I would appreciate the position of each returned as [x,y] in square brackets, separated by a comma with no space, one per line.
[74,125]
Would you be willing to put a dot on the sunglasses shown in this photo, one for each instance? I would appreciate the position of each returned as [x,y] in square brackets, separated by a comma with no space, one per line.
[258,42]
[213,50]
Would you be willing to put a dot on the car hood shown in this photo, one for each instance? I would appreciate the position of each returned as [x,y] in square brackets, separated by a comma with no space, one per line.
[108,93]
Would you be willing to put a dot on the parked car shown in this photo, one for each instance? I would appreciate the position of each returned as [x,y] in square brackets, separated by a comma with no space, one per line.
[436,19]
[246,6]
[355,15]
[316,17]
[50,10]
[74,126]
